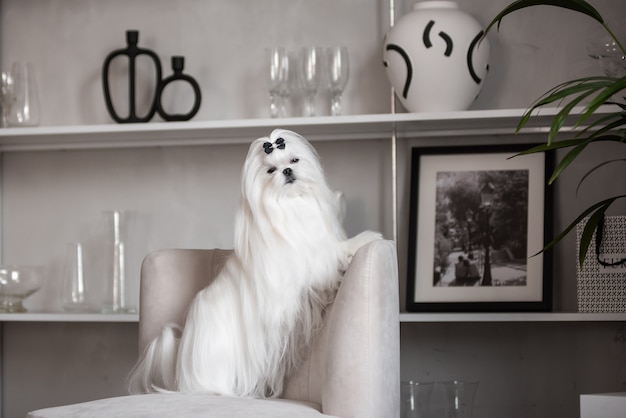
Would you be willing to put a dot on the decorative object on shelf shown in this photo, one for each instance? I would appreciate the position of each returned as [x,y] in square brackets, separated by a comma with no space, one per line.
[415,398]
[23,109]
[178,64]
[435,59]
[470,230]
[595,91]
[6,95]
[74,296]
[460,398]
[117,226]
[338,66]
[310,76]
[132,51]
[606,50]
[16,284]
[278,79]
[601,279]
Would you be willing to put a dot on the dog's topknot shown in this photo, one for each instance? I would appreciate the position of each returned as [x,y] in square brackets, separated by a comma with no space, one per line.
[268,147]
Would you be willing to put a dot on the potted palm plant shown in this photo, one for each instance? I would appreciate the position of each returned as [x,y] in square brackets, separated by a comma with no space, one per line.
[591,93]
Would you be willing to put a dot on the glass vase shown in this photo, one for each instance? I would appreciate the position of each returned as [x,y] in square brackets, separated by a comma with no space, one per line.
[24,107]
[74,288]
[117,234]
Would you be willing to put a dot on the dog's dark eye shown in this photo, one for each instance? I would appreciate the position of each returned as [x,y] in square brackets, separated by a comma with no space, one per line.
[295,160]
[271,170]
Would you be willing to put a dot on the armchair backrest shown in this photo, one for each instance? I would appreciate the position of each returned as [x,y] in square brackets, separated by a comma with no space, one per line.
[352,368]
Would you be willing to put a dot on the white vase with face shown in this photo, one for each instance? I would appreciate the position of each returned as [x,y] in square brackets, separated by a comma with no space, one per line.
[435,57]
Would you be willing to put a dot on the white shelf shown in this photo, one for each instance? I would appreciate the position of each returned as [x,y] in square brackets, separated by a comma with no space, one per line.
[323,128]
[67,317]
[406,317]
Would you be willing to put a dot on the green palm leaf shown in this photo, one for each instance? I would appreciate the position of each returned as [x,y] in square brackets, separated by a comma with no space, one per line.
[595,92]
[588,173]
[567,160]
[576,5]
[601,99]
[604,124]
[590,227]
[566,143]
[578,145]
[584,246]
[579,90]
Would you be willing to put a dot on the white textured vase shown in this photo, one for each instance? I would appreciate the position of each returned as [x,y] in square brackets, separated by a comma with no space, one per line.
[435,59]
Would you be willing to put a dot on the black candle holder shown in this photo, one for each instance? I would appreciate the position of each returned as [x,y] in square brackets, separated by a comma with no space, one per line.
[131,51]
[178,64]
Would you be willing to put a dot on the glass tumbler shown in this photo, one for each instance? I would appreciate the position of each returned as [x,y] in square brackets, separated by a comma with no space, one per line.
[460,398]
[24,106]
[415,398]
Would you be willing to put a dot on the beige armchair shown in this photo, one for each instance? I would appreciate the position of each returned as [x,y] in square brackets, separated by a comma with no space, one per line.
[352,369]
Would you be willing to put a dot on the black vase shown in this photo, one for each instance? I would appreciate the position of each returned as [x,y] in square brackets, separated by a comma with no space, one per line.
[178,64]
[132,51]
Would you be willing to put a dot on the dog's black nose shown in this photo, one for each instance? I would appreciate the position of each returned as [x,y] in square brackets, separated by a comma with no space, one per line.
[289,177]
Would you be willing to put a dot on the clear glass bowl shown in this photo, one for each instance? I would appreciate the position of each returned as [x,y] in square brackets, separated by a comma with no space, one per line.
[16,284]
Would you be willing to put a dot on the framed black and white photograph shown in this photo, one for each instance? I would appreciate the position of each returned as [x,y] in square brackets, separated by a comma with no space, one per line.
[477,218]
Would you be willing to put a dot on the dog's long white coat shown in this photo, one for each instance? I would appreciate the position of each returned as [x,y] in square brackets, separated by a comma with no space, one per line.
[245,331]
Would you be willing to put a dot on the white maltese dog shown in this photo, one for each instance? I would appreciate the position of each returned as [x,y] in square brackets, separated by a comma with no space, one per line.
[246,330]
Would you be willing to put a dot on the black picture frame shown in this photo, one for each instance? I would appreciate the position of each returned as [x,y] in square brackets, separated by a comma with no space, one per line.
[465,200]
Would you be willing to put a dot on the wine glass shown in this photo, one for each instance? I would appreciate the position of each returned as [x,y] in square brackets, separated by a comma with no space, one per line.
[277,80]
[607,52]
[338,72]
[310,72]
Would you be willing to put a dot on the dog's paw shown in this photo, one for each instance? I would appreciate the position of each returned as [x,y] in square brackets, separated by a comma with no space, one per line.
[361,239]
[352,245]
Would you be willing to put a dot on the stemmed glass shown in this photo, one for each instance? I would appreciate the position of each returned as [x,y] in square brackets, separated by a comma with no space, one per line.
[608,53]
[310,72]
[277,80]
[338,72]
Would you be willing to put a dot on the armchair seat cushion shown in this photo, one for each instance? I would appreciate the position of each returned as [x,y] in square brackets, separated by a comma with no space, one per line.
[195,406]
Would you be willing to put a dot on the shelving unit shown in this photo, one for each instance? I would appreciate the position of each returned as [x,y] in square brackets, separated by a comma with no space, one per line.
[466,124]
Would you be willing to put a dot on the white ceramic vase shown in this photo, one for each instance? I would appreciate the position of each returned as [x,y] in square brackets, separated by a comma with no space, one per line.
[435,59]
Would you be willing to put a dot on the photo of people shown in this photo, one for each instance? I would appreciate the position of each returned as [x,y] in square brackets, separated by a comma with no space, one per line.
[481,224]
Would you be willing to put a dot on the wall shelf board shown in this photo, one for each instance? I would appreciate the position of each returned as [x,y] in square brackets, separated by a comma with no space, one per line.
[67,317]
[406,317]
[323,128]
